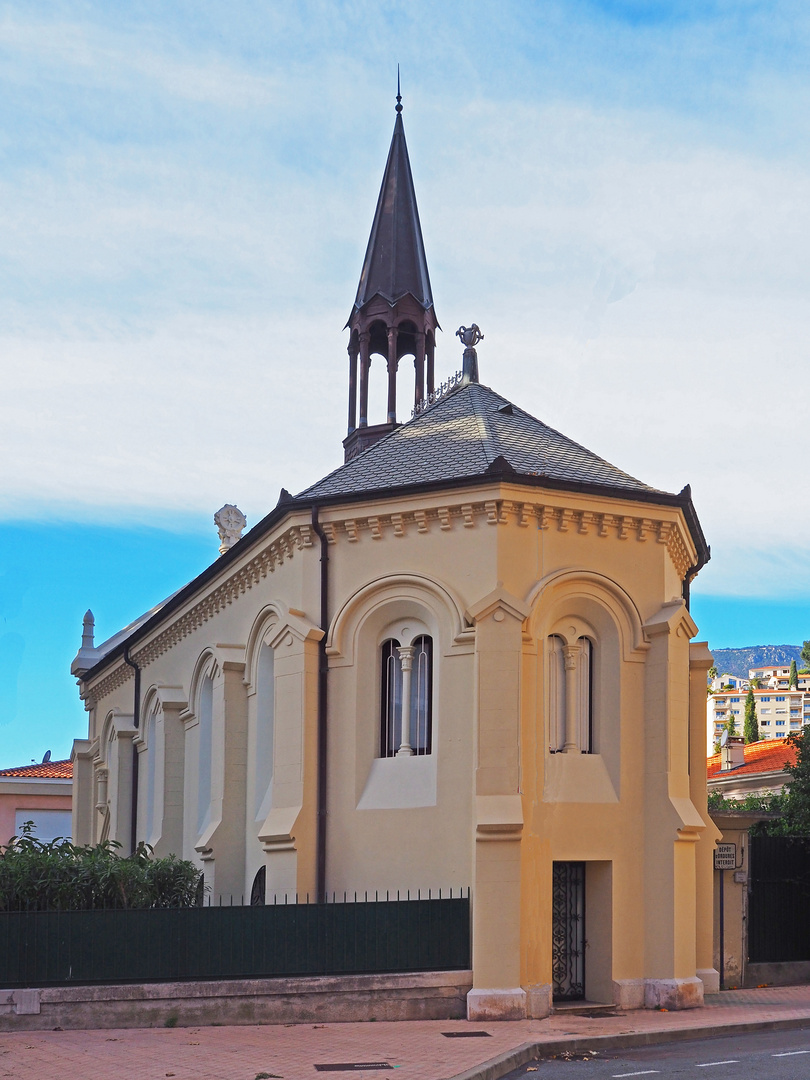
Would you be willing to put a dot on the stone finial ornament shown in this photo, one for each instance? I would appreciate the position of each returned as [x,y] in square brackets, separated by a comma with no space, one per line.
[469,337]
[230,521]
[88,654]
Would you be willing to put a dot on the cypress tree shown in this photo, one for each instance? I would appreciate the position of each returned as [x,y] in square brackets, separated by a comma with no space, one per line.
[750,725]
[731,723]
[794,676]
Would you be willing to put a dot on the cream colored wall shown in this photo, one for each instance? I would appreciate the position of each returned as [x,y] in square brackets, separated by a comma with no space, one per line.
[488,575]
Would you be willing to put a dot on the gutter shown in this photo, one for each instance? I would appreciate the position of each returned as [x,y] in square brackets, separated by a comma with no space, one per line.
[136,723]
[323,672]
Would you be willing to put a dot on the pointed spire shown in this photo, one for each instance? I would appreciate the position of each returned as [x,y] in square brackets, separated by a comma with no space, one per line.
[395,262]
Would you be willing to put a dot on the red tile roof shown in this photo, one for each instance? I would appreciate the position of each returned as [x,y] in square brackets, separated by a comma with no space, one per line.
[770,755]
[48,770]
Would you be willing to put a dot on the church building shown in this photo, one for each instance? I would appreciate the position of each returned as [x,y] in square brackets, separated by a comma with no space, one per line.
[463,658]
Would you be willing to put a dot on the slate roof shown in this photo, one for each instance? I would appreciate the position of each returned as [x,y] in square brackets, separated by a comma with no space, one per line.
[47,770]
[462,436]
[395,262]
[769,755]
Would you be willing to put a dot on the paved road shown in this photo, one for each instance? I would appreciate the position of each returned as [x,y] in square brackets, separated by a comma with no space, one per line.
[768,1055]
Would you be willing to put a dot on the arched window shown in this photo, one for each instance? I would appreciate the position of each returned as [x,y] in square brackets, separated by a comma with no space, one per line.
[150,735]
[258,890]
[406,697]
[206,716]
[570,676]
[265,722]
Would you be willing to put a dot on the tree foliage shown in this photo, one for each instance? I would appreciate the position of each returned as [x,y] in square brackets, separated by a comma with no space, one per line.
[793,679]
[731,722]
[792,806]
[796,818]
[768,803]
[37,875]
[750,723]
[806,653]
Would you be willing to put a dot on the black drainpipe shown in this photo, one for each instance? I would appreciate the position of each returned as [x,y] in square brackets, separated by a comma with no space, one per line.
[323,668]
[687,581]
[136,723]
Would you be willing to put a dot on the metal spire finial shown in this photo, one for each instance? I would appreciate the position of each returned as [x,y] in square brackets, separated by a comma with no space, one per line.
[399,95]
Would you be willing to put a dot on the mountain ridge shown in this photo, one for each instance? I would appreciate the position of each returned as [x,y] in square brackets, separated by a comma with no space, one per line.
[738,661]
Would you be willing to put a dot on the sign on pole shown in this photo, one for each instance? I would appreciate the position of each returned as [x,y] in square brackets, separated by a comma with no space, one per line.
[725,857]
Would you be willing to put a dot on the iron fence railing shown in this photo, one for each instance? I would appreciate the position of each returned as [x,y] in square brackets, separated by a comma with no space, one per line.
[779,899]
[366,936]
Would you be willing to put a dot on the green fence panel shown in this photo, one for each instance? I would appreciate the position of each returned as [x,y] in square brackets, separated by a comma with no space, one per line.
[53,948]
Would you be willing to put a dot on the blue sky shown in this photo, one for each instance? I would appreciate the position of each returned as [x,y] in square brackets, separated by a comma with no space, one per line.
[617,192]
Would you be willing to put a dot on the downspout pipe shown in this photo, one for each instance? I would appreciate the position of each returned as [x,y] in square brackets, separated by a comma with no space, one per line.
[690,576]
[323,670]
[136,723]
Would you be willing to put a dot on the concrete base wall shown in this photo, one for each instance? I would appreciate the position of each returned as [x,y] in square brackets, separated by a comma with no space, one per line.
[486,1005]
[325,999]
[790,973]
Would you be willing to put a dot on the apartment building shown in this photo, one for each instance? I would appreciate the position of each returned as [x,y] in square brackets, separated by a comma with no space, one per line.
[780,709]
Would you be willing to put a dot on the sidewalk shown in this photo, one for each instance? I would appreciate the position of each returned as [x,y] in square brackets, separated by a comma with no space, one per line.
[418,1049]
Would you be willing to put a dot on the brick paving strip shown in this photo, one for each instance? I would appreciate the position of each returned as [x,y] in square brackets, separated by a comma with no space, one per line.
[414,1050]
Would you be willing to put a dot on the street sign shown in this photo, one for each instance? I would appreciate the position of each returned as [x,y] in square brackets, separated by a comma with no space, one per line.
[725,857]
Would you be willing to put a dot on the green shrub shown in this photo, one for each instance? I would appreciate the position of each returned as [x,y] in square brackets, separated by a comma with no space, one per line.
[37,875]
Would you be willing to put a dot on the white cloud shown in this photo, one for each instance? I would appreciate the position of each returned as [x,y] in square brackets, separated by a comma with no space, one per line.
[175,270]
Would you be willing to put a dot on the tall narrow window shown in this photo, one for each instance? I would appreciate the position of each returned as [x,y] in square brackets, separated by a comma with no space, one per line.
[556,695]
[406,697]
[151,763]
[570,695]
[206,714]
[391,699]
[585,695]
[265,694]
[421,695]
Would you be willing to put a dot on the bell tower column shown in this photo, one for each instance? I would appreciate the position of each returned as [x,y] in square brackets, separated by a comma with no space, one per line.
[353,350]
[419,365]
[393,363]
[364,364]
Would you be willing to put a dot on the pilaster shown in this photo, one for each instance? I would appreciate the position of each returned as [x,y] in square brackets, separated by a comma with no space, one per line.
[221,846]
[700,660]
[497,993]
[83,809]
[288,834]
[672,824]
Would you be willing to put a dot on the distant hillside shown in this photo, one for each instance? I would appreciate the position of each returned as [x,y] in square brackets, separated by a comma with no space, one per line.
[738,661]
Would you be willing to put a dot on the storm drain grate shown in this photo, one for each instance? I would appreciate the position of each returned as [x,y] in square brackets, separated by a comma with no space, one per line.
[354,1066]
[466,1035]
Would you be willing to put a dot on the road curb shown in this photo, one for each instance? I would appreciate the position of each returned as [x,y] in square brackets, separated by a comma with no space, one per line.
[504,1063]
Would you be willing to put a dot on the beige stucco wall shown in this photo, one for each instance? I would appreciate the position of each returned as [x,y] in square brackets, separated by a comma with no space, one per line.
[489,575]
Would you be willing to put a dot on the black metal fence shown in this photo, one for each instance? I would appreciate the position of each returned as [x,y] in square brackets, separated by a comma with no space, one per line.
[54,948]
[779,899]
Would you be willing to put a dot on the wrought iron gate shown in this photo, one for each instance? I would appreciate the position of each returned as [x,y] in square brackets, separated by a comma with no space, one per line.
[568,931]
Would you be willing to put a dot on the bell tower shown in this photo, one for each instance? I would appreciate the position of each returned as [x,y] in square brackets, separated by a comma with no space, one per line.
[393,316]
